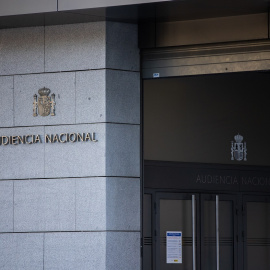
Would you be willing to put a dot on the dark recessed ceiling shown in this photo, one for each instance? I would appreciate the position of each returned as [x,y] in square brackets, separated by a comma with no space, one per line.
[198,9]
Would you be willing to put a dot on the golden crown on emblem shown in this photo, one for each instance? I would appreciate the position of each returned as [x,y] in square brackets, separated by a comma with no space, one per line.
[44,91]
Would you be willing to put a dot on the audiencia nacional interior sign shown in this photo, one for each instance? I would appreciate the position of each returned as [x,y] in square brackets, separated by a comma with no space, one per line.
[48,138]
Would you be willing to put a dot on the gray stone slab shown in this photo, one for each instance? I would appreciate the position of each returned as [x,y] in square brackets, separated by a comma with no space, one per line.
[44,205]
[91,204]
[122,97]
[22,50]
[15,7]
[123,250]
[75,47]
[123,150]
[122,50]
[90,96]
[107,204]
[6,101]
[61,84]
[76,159]
[6,206]
[83,4]
[23,160]
[123,204]
[21,251]
[79,250]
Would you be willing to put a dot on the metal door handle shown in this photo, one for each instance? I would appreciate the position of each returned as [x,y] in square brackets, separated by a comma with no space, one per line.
[193,233]
[217,229]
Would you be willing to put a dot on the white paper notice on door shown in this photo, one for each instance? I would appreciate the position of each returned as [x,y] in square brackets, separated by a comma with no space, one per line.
[174,246]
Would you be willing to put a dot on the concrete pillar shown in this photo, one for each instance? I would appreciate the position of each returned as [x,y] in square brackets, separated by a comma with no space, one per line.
[70,204]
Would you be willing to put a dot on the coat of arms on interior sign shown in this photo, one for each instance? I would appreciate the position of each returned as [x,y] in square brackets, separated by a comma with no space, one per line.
[238,149]
[44,104]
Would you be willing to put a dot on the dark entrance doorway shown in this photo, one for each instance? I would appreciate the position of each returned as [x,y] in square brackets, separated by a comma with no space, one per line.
[193,184]
[221,229]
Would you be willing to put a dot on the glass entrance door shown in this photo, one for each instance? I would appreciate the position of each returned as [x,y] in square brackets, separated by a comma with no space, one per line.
[208,227]
[177,213]
[217,231]
[256,234]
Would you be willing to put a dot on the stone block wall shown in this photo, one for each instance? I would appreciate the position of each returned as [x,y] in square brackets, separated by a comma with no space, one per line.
[70,205]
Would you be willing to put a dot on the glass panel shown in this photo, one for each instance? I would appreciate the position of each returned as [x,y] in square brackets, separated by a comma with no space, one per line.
[258,235]
[176,215]
[147,235]
[226,233]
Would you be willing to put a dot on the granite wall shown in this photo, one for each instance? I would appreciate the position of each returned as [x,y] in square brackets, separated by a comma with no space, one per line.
[70,204]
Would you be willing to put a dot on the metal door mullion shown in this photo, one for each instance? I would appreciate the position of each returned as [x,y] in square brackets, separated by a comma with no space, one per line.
[217,230]
[238,229]
[198,232]
[202,236]
[157,231]
[154,229]
[194,232]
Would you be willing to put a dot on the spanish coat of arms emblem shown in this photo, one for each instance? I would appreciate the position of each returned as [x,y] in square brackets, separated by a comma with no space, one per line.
[238,149]
[44,105]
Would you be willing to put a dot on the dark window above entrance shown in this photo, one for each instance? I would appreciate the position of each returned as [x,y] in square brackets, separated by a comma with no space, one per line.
[195,118]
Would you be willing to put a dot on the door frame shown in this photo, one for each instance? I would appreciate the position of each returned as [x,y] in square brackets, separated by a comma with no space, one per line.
[245,199]
[235,205]
[178,196]
[239,212]
[200,197]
